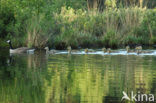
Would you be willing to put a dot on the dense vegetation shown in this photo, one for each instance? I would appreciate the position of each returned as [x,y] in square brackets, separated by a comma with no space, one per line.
[82,23]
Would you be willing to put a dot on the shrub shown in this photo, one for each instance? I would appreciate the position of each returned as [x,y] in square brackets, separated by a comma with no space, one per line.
[38,31]
[110,28]
[147,29]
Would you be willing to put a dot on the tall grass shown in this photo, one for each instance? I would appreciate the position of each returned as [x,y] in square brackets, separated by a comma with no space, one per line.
[110,23]
[112,28]
[38,32]
[77,28]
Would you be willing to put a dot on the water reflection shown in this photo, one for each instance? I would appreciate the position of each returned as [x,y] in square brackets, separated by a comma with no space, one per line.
[65,78]
[22,79]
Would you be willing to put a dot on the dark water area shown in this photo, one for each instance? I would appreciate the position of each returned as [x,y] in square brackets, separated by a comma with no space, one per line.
[63,78]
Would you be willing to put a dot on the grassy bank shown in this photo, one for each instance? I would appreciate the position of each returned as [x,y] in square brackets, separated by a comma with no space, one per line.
[114,27]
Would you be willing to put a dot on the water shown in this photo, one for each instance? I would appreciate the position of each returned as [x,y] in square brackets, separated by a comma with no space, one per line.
[79,78]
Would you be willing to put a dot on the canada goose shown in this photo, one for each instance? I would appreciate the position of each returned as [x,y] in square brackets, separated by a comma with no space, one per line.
[19,50]
[138,49]
[104,50]
[109,50]
[69,49]
[49,51]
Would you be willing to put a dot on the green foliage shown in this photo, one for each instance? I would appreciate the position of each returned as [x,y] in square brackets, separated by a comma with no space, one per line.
[6,19]
[60,23]
[110,28]
[147,28]
[110,39]
[131,40]
[3,44]
[39,30]
[110,3]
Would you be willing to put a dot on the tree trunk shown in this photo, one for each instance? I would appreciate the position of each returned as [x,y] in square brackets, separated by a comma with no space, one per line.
[95,5]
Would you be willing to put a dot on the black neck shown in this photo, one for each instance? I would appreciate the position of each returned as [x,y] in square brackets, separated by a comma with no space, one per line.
[10,45]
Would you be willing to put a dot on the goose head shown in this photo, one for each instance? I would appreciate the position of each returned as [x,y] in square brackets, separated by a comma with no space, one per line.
[9,42]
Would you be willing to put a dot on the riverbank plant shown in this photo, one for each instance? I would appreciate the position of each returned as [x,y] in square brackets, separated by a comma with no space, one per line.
[38,24]
[112,28]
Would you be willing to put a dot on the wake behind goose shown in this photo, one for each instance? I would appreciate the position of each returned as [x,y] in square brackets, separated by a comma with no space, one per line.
[113,52]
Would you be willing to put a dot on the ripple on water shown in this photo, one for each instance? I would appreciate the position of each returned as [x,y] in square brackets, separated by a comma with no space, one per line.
[77,78]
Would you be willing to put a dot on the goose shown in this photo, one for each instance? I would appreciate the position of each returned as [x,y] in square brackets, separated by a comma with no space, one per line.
[109,50]
[49,51]
[69,49]
[138,49]
[104,50]
[89,50]
[19,50]
[127,49]
[86,50]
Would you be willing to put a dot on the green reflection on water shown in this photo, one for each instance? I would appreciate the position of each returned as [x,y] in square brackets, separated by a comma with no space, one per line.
[40,78]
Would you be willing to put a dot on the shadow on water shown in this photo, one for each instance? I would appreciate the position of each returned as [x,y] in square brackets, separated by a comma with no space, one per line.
[22,77]
[40,78]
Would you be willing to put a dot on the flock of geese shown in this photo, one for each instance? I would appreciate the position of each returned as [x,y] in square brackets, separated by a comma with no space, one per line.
[137,50]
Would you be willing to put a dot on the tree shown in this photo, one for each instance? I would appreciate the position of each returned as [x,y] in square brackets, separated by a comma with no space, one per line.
[96,5]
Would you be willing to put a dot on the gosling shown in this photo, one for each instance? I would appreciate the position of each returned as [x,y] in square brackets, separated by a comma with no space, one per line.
[128,49]
[109,50]
[86,50]
[104,50]
[69,49]
[49,51]
[138,49]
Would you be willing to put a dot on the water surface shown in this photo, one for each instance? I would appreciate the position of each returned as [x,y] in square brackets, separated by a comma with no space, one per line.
[80,78]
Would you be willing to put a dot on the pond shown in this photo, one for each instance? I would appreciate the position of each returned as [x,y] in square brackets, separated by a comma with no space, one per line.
[77,78]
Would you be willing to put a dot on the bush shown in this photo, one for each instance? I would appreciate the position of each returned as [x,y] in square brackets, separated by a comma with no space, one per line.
[110,39]
[147,29]
[39,31]
[6,20]
[38,26]
[110,28]
[3,44]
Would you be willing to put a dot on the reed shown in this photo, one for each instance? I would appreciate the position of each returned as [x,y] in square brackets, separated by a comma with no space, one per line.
[112,28]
